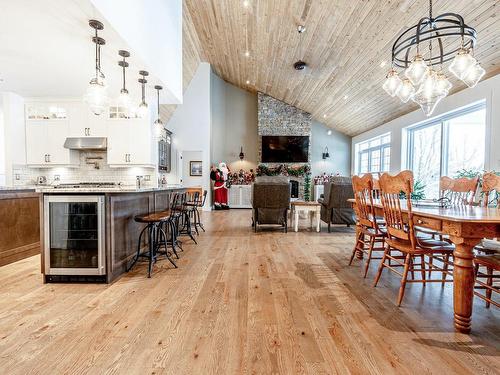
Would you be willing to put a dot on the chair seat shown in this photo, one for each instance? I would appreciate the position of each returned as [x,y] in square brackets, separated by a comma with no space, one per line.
[372,232]
[491,261]
[154,217]
[424,246]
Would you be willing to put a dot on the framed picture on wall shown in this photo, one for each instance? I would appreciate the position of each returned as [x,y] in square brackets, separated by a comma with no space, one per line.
[195,168]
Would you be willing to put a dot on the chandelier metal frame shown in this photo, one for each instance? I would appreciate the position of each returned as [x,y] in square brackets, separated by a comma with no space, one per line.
[440,28]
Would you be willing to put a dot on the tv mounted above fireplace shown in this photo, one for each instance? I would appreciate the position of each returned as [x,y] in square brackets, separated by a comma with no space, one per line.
[285,149]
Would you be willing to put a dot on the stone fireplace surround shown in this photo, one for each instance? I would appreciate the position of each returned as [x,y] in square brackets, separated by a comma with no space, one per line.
[279,118]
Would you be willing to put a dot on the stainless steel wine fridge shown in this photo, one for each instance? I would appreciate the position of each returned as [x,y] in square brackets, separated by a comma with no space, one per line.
[74,238]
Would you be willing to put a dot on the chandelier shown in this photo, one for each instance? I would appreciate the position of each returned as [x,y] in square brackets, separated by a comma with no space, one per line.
[420,53]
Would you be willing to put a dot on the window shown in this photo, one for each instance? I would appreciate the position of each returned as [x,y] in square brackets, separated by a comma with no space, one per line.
[446,145]
[374,155]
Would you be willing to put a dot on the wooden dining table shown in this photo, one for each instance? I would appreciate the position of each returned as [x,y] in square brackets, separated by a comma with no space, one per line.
[466,226]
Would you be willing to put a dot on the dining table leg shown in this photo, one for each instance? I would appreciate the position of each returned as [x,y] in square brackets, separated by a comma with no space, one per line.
[463,283]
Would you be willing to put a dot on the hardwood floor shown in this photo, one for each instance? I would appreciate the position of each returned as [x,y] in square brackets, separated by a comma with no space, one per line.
[240,302]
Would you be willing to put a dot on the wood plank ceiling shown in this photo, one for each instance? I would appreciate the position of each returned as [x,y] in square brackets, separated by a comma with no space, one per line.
[345,44]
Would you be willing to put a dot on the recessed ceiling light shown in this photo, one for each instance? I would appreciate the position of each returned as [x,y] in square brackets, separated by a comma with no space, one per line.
[346,97]
[383,63]
[248,82]
[329,132]
[246,3]
[247,53]
[324,116]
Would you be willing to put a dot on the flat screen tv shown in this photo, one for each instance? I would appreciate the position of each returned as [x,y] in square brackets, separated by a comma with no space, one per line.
[285,149]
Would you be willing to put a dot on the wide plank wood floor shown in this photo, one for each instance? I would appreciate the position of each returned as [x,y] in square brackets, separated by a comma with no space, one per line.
[240,303]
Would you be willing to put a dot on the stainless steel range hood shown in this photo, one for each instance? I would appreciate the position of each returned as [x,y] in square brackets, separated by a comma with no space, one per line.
[87,143]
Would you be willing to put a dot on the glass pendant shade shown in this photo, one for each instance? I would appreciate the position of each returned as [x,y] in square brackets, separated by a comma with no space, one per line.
[473,75]
[96,96]
[158,128]
[443,84]
[124,101]
[392,83]
[405,91]
[142,111]
[429,93]
[416,71]
[461,63]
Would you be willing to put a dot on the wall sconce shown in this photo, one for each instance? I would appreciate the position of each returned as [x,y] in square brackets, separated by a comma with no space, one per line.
[242,155]
[326,154]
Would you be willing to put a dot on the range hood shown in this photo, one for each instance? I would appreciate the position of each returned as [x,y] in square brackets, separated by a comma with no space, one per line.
[87,143]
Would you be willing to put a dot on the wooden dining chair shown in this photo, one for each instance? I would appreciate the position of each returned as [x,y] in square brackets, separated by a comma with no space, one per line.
[367,225]
[459,191]
[401,235]
[487,261]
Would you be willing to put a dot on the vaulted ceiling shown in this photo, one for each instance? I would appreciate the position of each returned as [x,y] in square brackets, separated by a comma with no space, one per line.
[346,45]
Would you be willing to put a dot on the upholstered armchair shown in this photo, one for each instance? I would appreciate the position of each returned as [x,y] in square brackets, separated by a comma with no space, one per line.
[270,201]
[335,209]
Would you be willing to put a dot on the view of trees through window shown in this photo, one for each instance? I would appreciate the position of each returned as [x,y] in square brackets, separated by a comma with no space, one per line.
[446,146]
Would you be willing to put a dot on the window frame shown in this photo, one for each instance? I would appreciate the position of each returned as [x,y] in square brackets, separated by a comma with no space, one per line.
[368,151]
[443,122]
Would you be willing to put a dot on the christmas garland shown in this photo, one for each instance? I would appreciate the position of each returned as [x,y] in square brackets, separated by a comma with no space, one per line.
[284,170]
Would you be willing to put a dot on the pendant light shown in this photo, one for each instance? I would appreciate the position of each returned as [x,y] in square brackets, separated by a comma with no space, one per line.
[453,41]
[159,128]
[96,95]
[143,106]
[124,98]
[241,155]
[392,83]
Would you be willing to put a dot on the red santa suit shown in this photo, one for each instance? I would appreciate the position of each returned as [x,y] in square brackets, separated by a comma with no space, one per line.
[219,176]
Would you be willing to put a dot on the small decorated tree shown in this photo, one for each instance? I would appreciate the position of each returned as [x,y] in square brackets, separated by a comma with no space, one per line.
[307,187]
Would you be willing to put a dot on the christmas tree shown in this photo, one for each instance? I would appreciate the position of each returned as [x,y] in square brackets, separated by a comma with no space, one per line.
[307,187]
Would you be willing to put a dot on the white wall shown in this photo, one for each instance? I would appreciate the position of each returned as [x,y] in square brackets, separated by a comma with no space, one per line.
[234,125]
[153,29]
[13,134]
[191,123]
[339,148]
[488,90]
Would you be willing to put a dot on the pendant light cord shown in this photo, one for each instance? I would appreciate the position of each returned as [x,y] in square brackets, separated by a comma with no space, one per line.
[158,102]
[124,86]
[430,9]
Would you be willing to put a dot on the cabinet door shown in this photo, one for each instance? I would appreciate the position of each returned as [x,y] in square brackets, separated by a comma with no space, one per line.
[78,122]
[36,137]
[57,132]
[140,142]
[118,142]
[97,124]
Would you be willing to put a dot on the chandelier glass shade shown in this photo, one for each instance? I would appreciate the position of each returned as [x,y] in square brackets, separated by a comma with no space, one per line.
[420,53]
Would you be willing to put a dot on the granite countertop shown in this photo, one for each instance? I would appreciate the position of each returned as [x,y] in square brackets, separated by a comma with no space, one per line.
[122,189]
[16,188]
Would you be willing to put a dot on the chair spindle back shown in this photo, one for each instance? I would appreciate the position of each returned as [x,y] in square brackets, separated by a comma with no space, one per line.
[491,190]
[391,188]
[460,191]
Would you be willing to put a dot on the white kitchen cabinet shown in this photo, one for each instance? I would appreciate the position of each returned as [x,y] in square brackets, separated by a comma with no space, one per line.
[83,123]
[45,143]
[130,143]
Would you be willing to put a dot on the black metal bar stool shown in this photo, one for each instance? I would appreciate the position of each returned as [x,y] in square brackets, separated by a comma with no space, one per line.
[183,219]
[193,207]
[156,238]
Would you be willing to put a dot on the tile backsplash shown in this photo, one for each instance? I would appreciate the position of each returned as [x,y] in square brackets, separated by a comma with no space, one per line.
[85,172]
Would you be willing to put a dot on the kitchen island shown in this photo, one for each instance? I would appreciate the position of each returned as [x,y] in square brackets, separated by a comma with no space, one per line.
[19,224]
[89,234]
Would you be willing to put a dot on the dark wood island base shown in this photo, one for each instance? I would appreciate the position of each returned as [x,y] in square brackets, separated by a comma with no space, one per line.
[121,231]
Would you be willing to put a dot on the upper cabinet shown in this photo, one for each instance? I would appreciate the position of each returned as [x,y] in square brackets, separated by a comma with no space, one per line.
[45,143]
[84,123]
[129,143]
[48,124]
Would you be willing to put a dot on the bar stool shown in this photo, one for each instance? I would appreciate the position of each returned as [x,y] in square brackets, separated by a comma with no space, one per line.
[193,204]
[183,220]
[155,234]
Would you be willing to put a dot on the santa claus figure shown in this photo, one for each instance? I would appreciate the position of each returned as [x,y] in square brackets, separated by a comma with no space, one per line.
[220,177]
